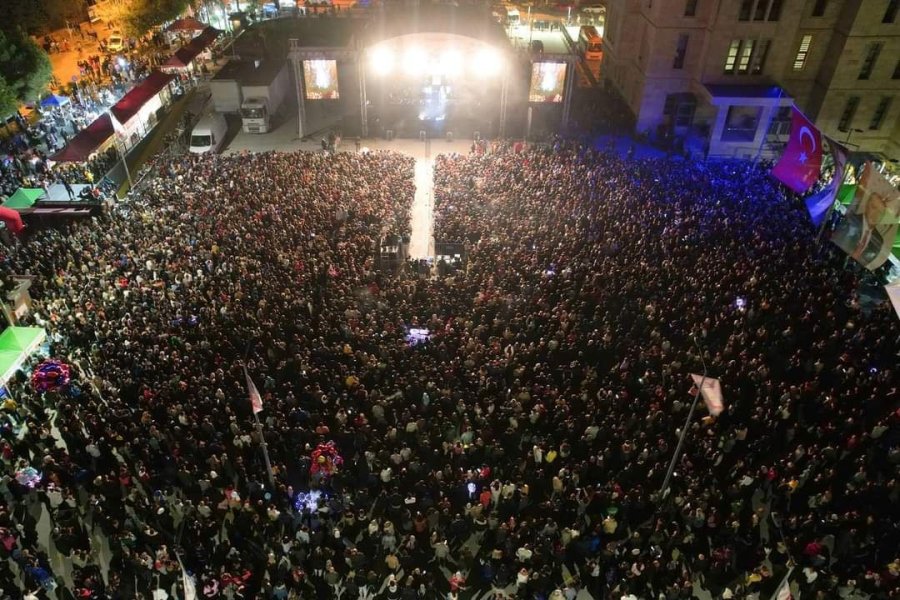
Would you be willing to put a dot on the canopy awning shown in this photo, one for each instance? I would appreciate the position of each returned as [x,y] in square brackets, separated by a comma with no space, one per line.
[16,345]
[139,95]
[23,198]
[185,55]
[186,24]
[55,100]
[86,141]
[755,95]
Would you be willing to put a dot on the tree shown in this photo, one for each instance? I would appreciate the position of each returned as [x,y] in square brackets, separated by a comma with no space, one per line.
[38,17]
[8,101]
[24,66]
[143,15]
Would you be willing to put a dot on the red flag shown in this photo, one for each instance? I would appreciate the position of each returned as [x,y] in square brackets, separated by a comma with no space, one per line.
[12,218]
[255,398]
[799,165]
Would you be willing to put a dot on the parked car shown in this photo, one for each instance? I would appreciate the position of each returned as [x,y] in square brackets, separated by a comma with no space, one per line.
[115,43]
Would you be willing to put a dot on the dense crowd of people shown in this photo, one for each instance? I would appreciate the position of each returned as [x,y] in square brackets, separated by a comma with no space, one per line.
[24,155]
[516,451]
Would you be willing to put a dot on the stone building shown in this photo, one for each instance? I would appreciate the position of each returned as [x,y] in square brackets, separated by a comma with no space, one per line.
[722,74]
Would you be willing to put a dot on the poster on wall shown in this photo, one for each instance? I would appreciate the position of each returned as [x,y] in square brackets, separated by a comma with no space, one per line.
[548,82]
[320,78]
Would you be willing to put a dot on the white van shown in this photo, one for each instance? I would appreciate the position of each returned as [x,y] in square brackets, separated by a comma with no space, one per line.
[208,134]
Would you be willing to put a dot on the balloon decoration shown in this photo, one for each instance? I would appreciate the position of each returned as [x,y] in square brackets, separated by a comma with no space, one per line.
[325,460]
[308,500]
[51,375]
[28,477]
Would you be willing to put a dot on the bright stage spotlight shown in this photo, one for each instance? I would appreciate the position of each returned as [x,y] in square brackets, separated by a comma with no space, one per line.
[414,61]
[487,62]
[451,63]
[382,61]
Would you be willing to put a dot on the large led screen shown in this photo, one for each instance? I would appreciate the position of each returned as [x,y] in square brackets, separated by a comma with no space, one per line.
[548,80]
[320,77]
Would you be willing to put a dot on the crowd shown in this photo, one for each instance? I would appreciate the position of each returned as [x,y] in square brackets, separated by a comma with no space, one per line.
[518,452]
[24,154]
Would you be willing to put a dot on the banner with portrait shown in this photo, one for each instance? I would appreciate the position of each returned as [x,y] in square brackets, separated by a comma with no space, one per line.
[867,231]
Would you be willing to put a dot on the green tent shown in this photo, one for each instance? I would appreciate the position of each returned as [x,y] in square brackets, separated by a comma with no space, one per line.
[24,198]
[16,344]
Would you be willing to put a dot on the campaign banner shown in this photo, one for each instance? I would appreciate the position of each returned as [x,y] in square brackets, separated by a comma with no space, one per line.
[869,227]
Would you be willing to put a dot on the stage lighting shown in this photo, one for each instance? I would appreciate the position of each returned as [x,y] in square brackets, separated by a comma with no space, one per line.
[488,62]
[451,63]
[382,60]
[414,61]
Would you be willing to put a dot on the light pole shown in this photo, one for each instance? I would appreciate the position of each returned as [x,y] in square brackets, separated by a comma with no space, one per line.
[124,159]
[665,486]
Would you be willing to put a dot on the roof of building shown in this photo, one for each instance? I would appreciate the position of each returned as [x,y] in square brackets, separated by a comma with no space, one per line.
[270,39]
[250,72]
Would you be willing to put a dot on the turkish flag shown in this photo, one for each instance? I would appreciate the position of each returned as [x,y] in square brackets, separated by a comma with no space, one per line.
[799,166]
[12,219]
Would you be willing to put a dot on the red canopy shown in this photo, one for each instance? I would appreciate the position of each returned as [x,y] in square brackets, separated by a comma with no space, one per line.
[186,24]
[187,53]
[86,141]
[132,102]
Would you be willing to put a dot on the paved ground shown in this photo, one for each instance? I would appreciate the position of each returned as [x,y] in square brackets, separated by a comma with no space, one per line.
[65,63]
[284,138]
[421,243]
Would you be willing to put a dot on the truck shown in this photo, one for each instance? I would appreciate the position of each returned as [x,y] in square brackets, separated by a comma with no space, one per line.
[265,92]
[225,88]
[255,89]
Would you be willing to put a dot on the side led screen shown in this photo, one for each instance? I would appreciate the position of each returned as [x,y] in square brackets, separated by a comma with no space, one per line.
[548,81]
[320,77]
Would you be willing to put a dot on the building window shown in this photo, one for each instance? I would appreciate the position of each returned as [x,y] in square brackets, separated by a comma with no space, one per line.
[880,112]
[680,51]
[872,52]
[781,122]
[802,52]
[758,62]
[848,114]
[819,8]
[741,123]
[896,74]
[760,10]
[680,108]
[746,57]
[731,58]
[891,12]
[690,8]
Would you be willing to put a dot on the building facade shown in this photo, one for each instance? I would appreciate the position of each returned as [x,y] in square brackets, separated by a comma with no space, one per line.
[722,74]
